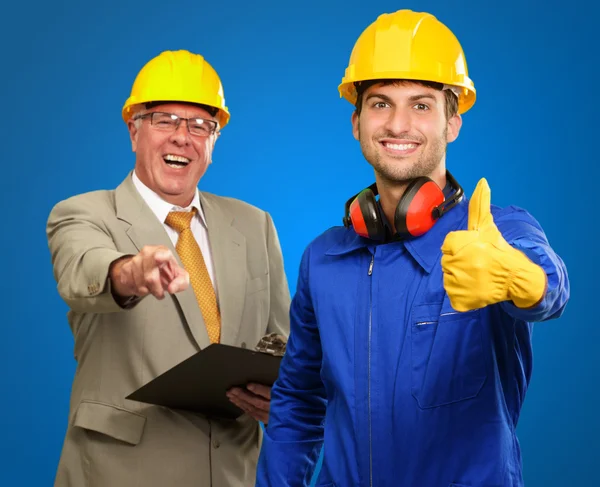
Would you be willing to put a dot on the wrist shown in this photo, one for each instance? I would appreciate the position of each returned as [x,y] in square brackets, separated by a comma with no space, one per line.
[122,296]
[528,282]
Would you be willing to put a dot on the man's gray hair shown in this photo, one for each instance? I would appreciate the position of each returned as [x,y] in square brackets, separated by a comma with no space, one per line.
[136,110]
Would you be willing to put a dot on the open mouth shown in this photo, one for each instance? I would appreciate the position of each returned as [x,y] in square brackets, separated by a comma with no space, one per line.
[176,162]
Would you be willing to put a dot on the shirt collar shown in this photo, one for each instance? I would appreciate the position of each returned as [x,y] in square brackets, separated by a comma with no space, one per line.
[427,248]
[160,207]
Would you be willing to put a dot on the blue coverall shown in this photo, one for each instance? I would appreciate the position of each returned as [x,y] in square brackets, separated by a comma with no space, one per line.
[399,388]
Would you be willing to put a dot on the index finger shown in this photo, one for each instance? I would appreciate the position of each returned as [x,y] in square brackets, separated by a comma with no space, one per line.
[260,390]
[457,240]
[162,257]
[251,399]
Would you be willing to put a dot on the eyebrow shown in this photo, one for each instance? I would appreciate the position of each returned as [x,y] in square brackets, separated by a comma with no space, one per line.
[194,117]
[421,96]
[412,98]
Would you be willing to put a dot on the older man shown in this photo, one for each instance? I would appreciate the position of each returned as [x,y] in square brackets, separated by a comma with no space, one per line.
[154,271]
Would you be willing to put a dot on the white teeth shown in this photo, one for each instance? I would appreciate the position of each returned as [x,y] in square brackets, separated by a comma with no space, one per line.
[171,157]
[389,145]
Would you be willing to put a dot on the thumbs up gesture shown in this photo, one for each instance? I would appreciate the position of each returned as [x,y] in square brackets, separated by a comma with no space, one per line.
[481,268]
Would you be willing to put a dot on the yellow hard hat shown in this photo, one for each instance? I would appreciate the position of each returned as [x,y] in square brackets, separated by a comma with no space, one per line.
[178,76]
[409,45]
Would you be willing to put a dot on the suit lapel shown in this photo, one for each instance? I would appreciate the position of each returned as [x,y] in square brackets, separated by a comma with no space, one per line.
[228,248]
[145,229]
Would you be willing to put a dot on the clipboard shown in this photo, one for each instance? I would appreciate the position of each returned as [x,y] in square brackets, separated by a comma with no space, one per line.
[199,383]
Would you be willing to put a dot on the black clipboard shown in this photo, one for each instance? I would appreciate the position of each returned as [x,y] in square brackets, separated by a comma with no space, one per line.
[199,383]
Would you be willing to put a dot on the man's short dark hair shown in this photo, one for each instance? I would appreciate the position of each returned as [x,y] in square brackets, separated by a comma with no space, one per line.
[451,105]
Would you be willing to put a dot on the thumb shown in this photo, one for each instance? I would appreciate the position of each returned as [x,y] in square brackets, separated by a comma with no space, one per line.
[480,214]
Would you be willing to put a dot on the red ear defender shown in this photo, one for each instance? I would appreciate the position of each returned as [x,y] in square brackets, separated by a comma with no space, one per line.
[421,205]
[362,212]
[415,213]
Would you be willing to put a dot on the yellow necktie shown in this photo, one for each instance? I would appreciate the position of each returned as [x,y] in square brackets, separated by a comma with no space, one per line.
[191,257]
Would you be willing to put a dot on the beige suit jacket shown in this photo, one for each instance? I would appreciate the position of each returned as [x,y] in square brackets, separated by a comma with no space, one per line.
[114,442]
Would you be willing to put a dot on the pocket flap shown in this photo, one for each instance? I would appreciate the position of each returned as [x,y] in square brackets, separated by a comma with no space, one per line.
[433,312]
[426,312]
[256,284]
[113,421]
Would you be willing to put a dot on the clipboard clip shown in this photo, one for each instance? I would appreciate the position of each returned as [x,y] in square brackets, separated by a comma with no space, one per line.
[272,344]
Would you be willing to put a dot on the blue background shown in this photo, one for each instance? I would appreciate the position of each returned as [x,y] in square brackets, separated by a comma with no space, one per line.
[68,67]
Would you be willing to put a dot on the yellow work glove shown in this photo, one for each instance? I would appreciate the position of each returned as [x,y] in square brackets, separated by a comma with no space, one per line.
[481,268]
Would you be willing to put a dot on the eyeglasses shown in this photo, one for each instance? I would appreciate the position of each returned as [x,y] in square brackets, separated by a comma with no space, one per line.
[169,122]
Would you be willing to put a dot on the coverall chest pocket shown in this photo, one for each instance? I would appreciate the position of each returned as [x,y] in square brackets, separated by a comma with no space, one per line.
[447,357]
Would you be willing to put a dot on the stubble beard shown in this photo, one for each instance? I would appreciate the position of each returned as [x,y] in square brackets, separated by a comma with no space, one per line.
[402,170]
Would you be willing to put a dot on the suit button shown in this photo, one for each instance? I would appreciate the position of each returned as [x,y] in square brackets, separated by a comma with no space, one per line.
[243,344]
[216,444]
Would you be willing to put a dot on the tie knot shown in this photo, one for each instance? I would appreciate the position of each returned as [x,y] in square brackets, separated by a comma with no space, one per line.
[180,220]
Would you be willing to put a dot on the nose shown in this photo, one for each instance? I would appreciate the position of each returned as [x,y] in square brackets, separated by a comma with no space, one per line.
[399,121]
[181,135]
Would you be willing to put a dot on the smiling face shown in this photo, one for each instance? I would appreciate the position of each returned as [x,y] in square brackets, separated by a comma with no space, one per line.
[403,130]
[171,163]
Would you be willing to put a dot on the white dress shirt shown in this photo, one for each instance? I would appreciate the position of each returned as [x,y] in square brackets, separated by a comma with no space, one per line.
[161,209]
